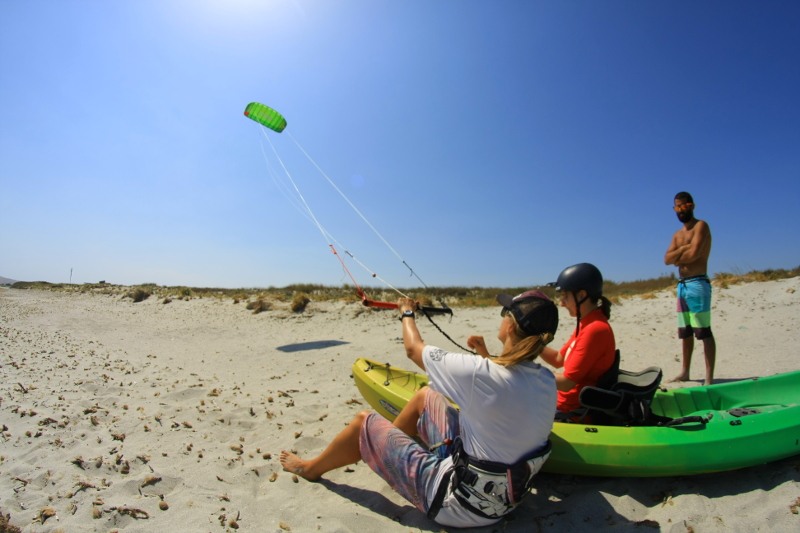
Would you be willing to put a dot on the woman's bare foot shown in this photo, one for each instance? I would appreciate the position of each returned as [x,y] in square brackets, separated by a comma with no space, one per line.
[292,463]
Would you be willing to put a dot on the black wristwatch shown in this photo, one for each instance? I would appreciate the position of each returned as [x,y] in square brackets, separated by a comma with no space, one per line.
[406,314]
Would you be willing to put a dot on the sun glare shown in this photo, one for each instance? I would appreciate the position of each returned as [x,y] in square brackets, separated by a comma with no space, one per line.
[236,15]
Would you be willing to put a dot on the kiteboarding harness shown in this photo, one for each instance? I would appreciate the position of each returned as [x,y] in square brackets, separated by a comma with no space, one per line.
[486,488]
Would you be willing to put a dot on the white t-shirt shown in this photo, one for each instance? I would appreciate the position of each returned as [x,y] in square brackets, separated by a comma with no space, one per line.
[505,413]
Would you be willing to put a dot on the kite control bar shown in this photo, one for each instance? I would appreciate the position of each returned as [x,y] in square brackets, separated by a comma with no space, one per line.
[423,308]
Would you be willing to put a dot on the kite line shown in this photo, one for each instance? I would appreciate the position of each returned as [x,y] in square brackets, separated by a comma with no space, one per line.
[274,121]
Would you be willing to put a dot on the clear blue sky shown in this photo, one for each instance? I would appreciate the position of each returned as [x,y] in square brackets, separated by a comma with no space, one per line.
[490,143]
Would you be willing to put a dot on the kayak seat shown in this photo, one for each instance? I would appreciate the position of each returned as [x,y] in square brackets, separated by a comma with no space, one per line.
[609,377]
[605,381]
[625,401]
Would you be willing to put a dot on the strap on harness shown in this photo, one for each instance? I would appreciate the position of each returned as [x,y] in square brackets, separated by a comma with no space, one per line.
[441,492]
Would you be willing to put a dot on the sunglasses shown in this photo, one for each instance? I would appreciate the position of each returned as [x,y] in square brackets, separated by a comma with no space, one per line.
[688,206]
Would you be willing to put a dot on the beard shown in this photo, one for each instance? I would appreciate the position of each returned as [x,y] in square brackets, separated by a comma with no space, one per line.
[685,216]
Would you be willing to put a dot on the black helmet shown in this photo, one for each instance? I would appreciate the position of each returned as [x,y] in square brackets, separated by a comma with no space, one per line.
[581,277]
[534,312]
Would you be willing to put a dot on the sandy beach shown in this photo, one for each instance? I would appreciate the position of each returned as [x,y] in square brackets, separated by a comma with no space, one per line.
[152,416]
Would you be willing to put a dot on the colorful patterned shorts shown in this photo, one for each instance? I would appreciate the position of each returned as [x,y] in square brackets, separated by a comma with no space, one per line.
[694,307]
[408,467]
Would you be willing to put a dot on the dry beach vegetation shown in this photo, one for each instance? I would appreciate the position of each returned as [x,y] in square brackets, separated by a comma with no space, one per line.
[300,295]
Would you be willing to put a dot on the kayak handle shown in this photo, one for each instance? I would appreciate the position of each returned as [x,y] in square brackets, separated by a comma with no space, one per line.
[689,420]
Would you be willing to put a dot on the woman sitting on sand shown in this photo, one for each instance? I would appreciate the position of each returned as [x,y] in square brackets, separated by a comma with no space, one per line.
[474,464]
[590,351]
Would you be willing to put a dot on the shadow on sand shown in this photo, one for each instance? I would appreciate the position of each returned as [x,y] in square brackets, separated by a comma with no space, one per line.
[407,514]
[578,504]
[311,345]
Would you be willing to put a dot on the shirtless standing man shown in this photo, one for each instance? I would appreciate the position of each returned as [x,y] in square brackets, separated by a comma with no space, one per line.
[689,251]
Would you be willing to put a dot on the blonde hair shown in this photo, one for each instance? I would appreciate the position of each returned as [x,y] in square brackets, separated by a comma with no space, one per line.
[527,349]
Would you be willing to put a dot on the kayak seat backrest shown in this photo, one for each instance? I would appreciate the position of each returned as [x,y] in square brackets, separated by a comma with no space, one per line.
[626,401]
[646,381]
[610,376]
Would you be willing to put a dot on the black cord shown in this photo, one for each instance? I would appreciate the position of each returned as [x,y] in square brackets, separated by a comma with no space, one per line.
[448,337]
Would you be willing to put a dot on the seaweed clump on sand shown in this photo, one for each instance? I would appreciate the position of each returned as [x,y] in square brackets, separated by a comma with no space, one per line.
[5,526]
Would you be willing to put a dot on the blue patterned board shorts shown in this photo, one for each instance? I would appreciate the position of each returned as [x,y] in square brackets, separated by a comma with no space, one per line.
[408,467]
[694,307]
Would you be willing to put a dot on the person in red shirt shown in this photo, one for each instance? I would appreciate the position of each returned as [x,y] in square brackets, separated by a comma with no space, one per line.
[590,351]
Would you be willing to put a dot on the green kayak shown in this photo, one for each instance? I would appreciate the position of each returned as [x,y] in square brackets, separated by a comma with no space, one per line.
[726,426]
